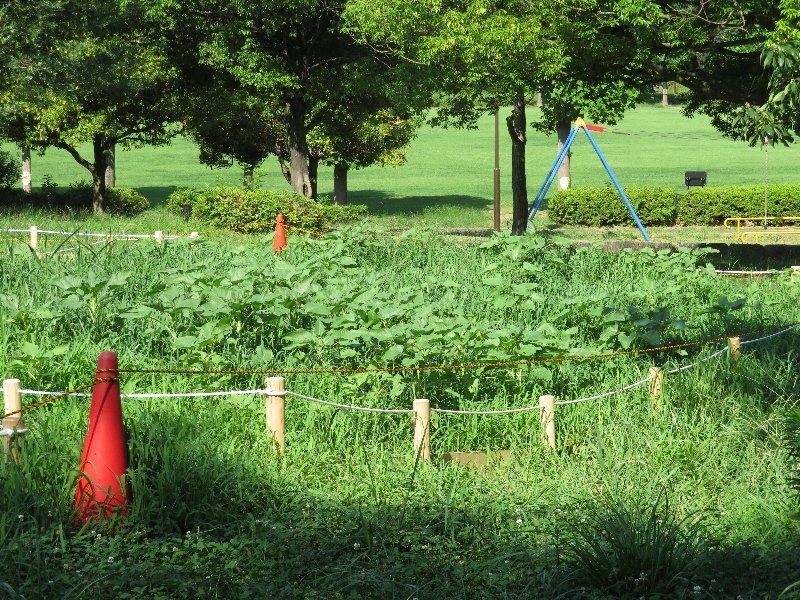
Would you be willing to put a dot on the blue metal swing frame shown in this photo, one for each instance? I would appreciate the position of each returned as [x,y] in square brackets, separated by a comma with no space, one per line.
[551,175]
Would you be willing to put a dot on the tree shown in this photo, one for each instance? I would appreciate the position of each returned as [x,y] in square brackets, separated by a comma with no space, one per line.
[295,58]
[475,56]
[736,57]
[91,74]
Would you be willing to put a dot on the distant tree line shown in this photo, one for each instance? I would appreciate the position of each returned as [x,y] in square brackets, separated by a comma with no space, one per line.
[347,82]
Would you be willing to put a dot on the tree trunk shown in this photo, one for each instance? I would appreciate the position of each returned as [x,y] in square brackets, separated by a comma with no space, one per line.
[26,170]
[298,147]
[539,101]
[340,184]
[99,176]
[516,129]
[564,176]
[313,168]
[247,177]
[111,167]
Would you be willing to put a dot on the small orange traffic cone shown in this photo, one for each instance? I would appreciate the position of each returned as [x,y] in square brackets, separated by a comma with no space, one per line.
[279,243]
[101,491]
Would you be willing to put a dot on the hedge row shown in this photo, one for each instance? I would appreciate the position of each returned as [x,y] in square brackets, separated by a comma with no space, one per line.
[663,206]
[78,198]
[240,207]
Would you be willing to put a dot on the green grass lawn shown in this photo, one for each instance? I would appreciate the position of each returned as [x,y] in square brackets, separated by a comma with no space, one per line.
[447,180]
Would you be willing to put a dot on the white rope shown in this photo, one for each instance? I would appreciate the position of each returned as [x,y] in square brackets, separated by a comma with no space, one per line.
[506,411]
[606,394]
[350,406]
[197,394]
[181,395]
[129,236]
[5,432]
[772,335]
[702,360]
[74,248]
[46,393]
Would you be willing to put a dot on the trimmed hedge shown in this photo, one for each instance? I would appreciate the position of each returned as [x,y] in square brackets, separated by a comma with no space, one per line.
[712,205]
[231,207]
[602,206]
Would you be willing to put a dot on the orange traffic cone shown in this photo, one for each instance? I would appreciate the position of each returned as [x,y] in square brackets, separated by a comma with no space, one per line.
[101,491]
[279,243]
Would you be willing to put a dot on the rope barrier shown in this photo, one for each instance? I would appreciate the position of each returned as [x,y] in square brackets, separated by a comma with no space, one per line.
[140,236]
[59,396]
[349,406]
[511,363]
[269,392]
[772,335]
[12,432]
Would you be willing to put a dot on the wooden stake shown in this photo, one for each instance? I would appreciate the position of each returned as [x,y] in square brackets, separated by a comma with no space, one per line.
[657,374]
[34,237]
[12,443]
[158,236]
[736,349]
[276,413]
[422,428]
[548,416]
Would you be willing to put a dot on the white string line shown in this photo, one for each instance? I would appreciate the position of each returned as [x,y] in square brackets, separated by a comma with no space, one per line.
[5,432]
[129,236]
[180,395]
[74,248]
[270,392]
[766,337]
[350,406]
[702,360]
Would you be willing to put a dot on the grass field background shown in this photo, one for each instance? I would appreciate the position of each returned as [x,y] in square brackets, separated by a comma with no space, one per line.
[447,180]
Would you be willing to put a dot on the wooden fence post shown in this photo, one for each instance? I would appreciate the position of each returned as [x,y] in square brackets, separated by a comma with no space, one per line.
[548,417]
[34,237]
[12,443]
[158,236]
[422,428]
[657,374]
[276,412]
[736,349]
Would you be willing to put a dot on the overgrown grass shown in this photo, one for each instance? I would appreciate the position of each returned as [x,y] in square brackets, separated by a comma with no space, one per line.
[348,512]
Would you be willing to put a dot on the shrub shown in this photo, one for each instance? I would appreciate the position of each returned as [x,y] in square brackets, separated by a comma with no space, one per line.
[712,205]
[179,197]
[238,207]
[597,206]
[9,170]
[126,202]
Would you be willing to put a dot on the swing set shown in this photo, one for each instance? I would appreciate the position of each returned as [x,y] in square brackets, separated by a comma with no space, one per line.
[580,125]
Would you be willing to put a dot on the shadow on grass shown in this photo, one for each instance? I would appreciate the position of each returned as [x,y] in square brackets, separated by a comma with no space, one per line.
[157,195]
[383,203]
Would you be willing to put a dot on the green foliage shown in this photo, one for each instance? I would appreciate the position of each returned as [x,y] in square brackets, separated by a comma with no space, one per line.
[9,170]
[630,551]
[712,205]
[179,197]
[595,206]
[126,202]
[239,207]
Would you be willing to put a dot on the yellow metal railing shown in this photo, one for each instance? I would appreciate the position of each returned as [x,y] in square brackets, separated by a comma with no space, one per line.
[744,236]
